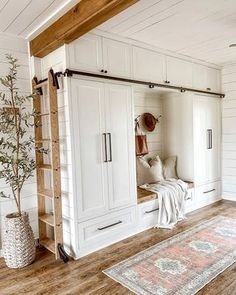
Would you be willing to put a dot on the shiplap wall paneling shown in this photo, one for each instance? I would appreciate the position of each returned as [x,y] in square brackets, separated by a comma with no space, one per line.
[22,18]
[17,47]
[56,60]
[229,132]
[146,101]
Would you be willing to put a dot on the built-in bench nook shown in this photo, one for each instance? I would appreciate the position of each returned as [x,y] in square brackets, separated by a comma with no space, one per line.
[145,196]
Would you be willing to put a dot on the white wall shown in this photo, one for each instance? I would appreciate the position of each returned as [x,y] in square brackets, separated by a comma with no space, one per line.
[229,132]
[149,101]
[19,49]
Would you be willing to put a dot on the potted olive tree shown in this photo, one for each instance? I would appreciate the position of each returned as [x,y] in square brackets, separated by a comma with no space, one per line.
[16,166]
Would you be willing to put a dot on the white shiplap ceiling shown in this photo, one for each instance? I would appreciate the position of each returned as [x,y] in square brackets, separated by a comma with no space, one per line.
[201,29]
[26,18]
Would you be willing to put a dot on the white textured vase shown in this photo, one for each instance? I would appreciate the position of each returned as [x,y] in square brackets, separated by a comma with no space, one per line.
[18,241]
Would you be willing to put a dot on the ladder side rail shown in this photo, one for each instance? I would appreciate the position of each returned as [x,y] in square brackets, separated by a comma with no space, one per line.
[55,158]
[39,161]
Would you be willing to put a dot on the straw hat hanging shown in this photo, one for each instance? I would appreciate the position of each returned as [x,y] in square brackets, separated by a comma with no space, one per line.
[149,121]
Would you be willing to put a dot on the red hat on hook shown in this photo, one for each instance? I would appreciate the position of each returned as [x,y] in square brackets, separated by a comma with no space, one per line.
[149,121]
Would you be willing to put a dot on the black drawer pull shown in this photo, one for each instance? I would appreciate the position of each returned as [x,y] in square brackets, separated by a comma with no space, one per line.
[107,226]
[212,190]
[150,211]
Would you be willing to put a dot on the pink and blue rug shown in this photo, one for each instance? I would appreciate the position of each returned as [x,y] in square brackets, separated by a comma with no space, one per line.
[183,264]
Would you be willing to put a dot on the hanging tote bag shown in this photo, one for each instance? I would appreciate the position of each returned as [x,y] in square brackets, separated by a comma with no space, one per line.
[140,141]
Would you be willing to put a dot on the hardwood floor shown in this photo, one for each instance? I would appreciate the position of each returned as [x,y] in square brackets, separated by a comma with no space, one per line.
[47,277]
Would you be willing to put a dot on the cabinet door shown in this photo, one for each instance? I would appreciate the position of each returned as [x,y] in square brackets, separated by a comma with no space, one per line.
[213,127]
[88,125]
[179,72]
[213,80]
[120,145]
[206,78]
[200,140]
[148,65]
[85,53]
[117,58]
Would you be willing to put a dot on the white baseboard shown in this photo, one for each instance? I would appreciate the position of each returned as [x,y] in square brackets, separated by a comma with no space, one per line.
[229,196]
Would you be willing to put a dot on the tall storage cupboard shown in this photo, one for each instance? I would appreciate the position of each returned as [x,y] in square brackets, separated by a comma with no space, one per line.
[207,142]
[103,144]
[193,133]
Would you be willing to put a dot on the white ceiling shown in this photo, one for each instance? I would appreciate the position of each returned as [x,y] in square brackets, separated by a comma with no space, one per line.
[25,18]
[201,29]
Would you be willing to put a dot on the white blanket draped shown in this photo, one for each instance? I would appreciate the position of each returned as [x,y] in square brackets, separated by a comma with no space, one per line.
[172,194]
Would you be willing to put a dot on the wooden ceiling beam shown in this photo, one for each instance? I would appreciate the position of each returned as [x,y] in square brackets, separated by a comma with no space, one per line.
[82,18]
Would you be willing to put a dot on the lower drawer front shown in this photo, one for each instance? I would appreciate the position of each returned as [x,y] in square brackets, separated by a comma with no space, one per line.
[208,191]
[148,214]
[99,231]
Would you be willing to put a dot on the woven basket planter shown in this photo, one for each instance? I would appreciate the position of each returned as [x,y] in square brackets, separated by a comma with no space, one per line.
[18,241]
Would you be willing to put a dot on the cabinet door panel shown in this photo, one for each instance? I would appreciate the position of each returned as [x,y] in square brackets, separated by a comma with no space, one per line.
[200,140]
[148,65]
[199,77]
[213,79]
[206,78]
[117,58]
[213,154]
[85,53]
[119,124]
[88,126]
[179,72]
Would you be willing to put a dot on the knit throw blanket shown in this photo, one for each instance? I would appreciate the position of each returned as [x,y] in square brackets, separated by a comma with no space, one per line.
[172,194]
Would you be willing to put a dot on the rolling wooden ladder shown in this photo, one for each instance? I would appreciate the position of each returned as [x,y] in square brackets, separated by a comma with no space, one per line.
[51,220]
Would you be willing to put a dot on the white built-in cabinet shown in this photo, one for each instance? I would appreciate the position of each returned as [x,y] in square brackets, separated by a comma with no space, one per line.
[103,147]
[100,55]
[85,54]
[193,132]
[206,78]
[148,65]
[103,189]
[207,134]
[179,72]
[116,58]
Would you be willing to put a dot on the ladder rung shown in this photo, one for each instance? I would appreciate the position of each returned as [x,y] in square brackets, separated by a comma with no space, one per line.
[46,193]
[43,140]
[47,218]
[44,83]
[48,244]
[45,167]
[41,115]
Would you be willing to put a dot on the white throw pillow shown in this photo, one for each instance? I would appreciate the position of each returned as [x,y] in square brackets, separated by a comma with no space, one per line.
[149,172]
[169,167]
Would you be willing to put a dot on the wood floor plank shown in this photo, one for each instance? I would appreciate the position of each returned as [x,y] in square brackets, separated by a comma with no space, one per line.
[84,276]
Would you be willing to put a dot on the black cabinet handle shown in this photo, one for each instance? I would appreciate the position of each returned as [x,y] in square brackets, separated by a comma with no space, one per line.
[150,211]
[209,139]
[102,71]
[110,147]
[105,146]
[208,88]
[105,71]
[167,82]
[110,225]
[207,192]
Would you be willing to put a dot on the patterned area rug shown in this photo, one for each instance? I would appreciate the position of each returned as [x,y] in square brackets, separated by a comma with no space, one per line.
[183,264]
